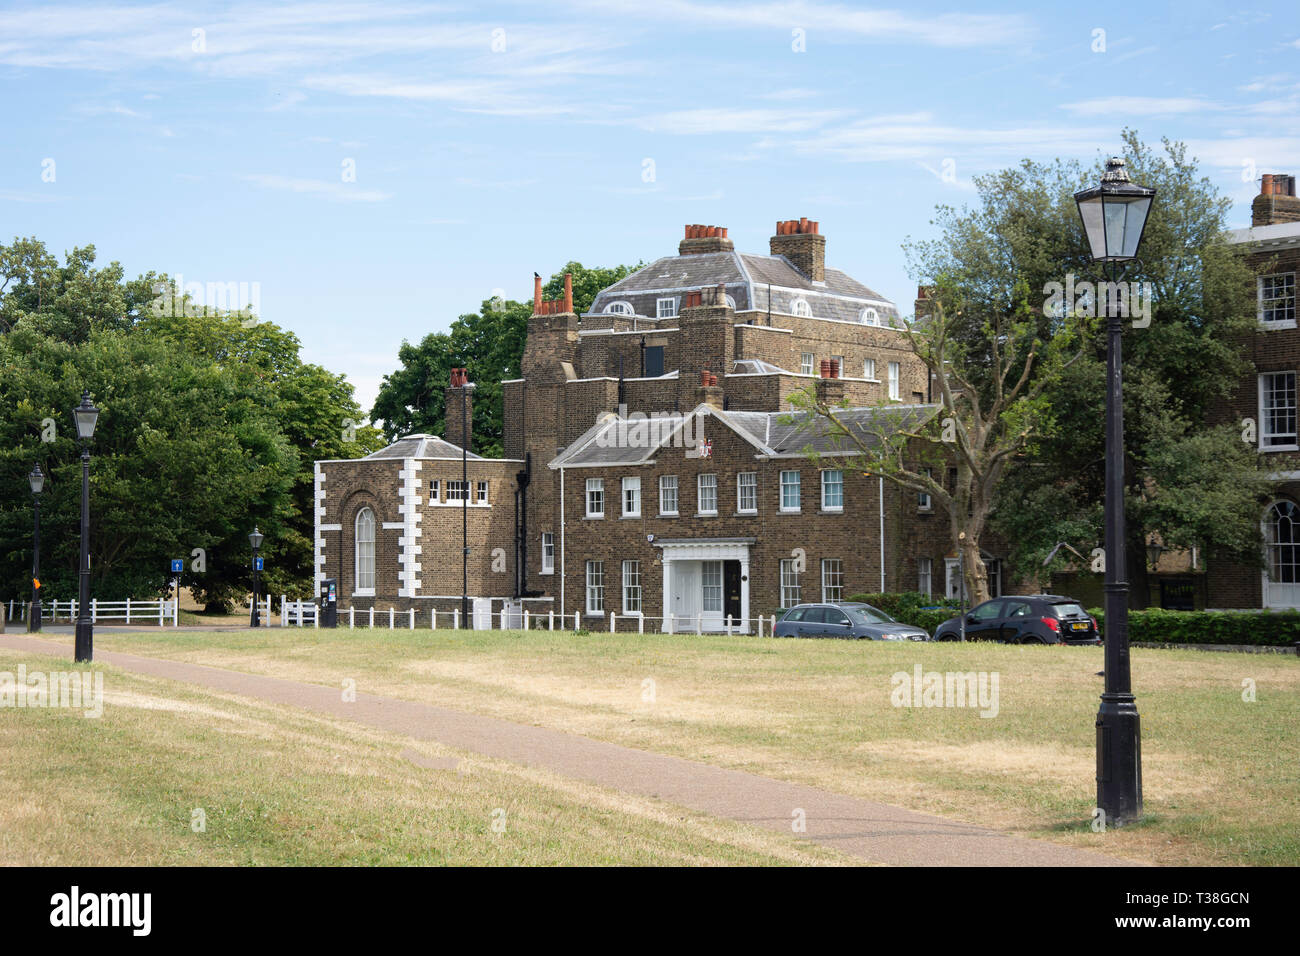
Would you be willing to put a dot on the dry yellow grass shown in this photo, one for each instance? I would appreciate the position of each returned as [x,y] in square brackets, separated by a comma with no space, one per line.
[819,712]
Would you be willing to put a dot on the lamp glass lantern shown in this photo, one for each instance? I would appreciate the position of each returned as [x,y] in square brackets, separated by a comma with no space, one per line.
[255,539]
[1114,214]
[36,479]
[85,415]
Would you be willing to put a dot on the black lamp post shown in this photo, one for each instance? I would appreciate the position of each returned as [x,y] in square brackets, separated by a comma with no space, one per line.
[37,480]
[255,539]
[85,415]
[1114,215]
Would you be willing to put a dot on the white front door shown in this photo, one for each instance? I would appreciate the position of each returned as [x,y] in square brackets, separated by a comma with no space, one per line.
[684,582]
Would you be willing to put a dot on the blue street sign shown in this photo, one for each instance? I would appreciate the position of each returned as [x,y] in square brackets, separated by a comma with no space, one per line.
[178,565]
[259,563]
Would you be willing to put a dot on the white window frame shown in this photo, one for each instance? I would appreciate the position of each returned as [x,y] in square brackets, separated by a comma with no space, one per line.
[666,307]
[667,483]
[596,486]
[1265,418]
[595,587]
[363,566]
[923,500]
[925,576]
[480,492]
[632,497]
[801,308]
[747,481]
[869,370]
[895,375]
[710,593]
[797,485]
[827,484]
[870,316]
[1283,323]
[632,587]
[700,485]
[832,580]
[620,308]
[548,552]
[791,590]
[457,490]
[807,363]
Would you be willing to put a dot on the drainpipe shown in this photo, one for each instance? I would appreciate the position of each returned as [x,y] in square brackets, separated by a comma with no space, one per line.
[561,544]
[881,479]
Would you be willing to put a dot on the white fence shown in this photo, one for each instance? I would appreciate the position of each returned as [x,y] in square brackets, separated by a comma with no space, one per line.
[158,611]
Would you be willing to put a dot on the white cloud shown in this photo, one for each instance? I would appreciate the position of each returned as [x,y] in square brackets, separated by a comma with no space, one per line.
[340,192]
[1120,106]
[724,120]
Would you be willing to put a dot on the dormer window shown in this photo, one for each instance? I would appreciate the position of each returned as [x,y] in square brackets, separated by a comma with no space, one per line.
[666,308]
[800,307]
[619,308]
[870,317]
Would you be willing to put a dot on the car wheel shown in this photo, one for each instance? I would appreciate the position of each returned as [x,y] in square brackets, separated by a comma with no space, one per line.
[946,637]
[1032,639]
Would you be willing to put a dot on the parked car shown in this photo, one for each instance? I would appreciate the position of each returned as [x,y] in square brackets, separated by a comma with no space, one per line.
[845,619]
[1025,619]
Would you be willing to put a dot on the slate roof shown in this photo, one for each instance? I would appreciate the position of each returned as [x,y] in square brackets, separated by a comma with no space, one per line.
[630,441]
[421,446]
[747,278]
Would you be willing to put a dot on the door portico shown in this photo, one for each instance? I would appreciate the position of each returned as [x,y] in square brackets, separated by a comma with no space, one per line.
[699,573]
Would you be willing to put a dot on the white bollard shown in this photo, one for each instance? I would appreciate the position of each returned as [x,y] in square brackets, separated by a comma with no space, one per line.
[550,617]
[352,617]
[391,618]
[640,623]
[128,610]
[576,625]
[160,611]
[455,619]
[699,624]
[412,627]
[525,619]
[94,610]
[612,628]
[728,625]
[372,615]
[433,618]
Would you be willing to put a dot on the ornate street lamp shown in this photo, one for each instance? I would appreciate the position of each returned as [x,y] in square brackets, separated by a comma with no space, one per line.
[1114,215]
[37,481]
[85,416]
[255,539]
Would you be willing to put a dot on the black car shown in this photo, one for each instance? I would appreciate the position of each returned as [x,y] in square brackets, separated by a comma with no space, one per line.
[1025,619]
[845,619]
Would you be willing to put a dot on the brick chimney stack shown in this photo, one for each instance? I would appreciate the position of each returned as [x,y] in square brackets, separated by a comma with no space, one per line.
[1276,202]
[562,306]
[458,427]
[800,242]
[701,239]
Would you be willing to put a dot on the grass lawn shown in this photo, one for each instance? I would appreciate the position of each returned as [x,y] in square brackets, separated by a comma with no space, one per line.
[280,786]
[1221,775]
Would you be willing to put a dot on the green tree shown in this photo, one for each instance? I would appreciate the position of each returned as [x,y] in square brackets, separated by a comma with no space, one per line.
[490,343]
[1025,232]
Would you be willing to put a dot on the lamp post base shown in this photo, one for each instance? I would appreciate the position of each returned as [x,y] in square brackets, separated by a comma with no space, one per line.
[34,617]
[1119,760]
[85,643]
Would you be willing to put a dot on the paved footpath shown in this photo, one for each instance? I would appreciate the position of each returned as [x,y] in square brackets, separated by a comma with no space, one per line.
[874,832]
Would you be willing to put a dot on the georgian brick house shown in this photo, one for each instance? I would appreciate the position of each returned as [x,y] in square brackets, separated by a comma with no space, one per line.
[650,467]
[1267,398]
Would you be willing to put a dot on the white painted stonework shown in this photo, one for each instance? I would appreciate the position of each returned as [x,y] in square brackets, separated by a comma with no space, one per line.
[408,551]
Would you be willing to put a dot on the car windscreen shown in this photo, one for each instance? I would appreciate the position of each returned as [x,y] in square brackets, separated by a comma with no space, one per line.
[866,614]
[1069,610]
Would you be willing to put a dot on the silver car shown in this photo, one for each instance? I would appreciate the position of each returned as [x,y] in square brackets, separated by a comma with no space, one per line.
[845,619]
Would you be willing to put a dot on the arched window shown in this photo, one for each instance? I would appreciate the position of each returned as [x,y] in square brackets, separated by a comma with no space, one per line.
[800,307]
[365,551]
[870,317]
[619,308]
[1282,555]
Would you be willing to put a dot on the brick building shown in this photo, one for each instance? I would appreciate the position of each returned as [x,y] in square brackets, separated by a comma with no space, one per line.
[1267,397]
[651,467]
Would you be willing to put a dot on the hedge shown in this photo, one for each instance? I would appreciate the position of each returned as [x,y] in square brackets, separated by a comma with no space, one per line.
[1157,626]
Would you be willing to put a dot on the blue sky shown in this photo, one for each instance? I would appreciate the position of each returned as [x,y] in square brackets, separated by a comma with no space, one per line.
[492,140]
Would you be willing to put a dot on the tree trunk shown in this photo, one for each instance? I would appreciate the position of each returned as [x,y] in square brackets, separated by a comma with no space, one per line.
[977,575]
